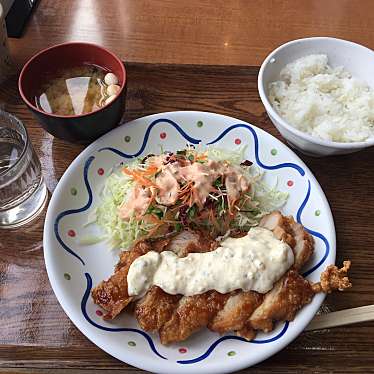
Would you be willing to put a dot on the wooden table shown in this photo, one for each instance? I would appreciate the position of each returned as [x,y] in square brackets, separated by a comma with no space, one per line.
[36,336]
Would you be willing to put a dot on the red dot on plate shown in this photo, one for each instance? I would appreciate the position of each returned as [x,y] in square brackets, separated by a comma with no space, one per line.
[182,350]
[100,171]
[99,313]
[163,135]
[71,233]
[290,183]
[237,141]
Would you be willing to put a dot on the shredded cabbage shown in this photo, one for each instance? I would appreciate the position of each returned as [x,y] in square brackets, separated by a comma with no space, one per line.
[116,190]
[118,186]
[220,154]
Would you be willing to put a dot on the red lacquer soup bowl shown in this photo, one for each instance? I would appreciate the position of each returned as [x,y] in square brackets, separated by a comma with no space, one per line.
[82,128]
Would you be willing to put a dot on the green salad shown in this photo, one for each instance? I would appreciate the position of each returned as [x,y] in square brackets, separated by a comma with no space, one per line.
[209,189]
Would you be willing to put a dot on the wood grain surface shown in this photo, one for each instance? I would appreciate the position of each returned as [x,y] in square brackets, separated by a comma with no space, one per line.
[215,32]
[35,334]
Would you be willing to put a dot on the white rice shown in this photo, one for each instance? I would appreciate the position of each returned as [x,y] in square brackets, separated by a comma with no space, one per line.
[324,102]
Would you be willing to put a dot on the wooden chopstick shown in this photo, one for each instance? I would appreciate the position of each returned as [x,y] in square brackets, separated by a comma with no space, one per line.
[342,317]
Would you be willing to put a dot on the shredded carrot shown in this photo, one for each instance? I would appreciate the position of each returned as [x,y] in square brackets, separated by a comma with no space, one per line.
[184,200]
[192,197]
[139,178]
[151,170]
[201,157]
[187,186]
[185,194]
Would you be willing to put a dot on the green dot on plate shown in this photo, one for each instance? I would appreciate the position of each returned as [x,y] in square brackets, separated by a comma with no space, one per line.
[67,276]
[127,139]
[273,151]
[199,123]
[317,212]
[231,353]
[73,191]
[131,344]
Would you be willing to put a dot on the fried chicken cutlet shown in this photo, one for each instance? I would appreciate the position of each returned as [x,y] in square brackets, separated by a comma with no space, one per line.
[176,317]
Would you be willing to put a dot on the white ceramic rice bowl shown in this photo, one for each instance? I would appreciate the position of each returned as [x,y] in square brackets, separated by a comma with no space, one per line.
[355,58]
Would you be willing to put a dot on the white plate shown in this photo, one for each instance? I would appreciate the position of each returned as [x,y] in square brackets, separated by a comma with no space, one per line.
[74,268]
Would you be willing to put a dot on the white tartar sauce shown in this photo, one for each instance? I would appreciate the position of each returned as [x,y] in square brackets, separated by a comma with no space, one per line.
[254,262]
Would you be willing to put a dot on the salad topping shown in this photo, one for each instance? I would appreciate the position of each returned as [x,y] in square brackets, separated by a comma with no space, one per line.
[211,189]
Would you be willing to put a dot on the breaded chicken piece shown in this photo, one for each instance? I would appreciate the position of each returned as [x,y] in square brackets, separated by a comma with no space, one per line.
[156,307]
[288,295]
[176,317]
[280,226]
[112,294]
[291,292]
[293,233]
[235,315]
[333,279]
[192,313]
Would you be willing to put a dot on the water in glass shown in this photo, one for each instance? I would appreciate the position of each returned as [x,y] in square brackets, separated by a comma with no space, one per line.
[22,189]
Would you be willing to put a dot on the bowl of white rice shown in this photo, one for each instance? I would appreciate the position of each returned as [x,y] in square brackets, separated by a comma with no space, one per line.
[319,94]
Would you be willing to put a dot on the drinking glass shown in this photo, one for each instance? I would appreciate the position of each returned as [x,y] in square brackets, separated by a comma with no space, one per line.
[23,192]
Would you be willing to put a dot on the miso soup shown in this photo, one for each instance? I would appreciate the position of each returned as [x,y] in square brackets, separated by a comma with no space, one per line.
[73,91]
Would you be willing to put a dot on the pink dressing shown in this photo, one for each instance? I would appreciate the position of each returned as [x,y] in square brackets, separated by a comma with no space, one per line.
[167,182]
[137,204]
[170,176]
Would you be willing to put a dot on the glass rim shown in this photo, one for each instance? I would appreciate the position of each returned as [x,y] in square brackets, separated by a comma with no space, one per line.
[27,141]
